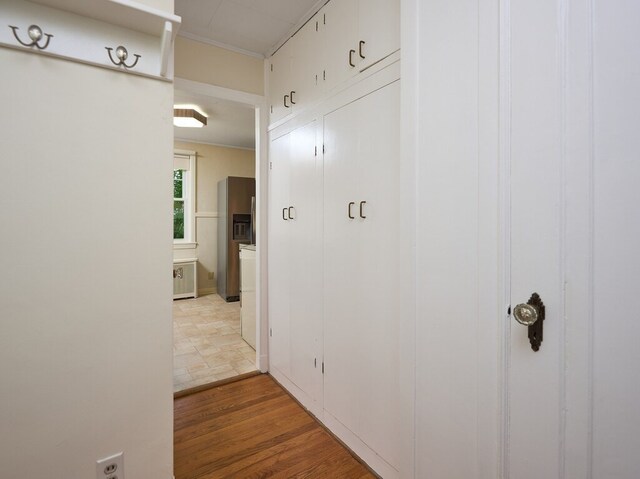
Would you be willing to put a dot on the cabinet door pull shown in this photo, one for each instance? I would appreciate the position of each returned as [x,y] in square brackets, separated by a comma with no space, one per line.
[289,212]
[292,102]
[351,52]
[284,217]
[285,102]
[362,43]
[351,217]
[362,203]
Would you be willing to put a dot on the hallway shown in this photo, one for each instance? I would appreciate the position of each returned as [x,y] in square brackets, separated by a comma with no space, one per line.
[253,428]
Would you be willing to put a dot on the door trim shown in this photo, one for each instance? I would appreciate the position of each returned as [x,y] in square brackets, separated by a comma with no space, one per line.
[259,104]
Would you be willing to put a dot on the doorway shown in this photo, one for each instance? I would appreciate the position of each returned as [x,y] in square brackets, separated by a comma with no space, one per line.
[217,337]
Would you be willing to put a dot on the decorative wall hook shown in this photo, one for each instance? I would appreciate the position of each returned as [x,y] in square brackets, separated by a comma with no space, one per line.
[35,34]
[122,54]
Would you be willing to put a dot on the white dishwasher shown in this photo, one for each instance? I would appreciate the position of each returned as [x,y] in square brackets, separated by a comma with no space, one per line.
[248,293]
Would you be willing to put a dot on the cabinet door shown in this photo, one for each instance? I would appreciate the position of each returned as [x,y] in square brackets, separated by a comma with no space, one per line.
[343,350]
[376,282]
[305,261]
[378,29]
[279,82]
[278,271]
[361,271]
[339,36]
[305,48]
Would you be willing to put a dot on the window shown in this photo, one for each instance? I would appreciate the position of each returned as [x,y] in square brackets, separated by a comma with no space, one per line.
[178,203]
[184,198]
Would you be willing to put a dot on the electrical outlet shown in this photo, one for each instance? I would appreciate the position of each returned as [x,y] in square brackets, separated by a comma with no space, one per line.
[210,274]
[111,467]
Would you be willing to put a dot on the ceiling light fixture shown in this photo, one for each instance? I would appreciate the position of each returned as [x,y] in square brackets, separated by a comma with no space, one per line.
[188,118]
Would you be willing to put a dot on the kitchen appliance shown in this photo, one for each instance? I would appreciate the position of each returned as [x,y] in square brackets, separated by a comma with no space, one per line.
[235,227]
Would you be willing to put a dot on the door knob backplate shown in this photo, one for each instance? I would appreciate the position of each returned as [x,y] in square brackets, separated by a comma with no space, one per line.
[532,315]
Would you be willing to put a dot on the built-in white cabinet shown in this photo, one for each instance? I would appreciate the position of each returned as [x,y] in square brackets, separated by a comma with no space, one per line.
[343,39]
[361,288]
[294,71]
[334,287]
[295,260]
[356,34]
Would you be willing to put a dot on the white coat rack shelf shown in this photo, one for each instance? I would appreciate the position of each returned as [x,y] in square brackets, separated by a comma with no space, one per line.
[122,35]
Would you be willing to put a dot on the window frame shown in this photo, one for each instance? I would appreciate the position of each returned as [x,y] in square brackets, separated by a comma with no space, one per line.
[188,196]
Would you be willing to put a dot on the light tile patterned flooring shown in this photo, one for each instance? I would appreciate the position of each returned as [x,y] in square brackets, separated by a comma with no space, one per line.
[207,345]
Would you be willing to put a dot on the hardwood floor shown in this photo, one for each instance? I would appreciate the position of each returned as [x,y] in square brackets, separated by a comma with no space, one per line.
[252,428]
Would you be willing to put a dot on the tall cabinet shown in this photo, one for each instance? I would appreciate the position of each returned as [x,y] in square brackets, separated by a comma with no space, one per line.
[334,288]
[295,260]
[361,283]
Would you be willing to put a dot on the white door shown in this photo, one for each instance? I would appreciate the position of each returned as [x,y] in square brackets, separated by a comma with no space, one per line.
[361,287]
[378,283]
[304,259]
[341,239]
[535,190]
[572,407]
[278,271]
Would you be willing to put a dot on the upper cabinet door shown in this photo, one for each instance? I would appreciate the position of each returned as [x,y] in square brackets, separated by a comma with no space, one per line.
[339,41]
[344,38]
[279,82]
[378,30]
[306,65]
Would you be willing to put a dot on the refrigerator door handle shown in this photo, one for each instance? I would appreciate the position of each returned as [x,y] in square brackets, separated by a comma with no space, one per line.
[253,220]
[284,217]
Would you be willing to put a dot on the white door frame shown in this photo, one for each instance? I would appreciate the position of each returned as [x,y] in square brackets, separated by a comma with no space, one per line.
[259,103]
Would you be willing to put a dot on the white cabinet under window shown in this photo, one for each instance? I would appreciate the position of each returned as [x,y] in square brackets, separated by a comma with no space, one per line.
[185,281]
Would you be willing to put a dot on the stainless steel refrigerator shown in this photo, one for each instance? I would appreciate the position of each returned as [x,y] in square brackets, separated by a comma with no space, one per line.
[236,226]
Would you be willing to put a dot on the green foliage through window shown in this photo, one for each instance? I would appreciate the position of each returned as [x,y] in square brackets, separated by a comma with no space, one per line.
[178,204]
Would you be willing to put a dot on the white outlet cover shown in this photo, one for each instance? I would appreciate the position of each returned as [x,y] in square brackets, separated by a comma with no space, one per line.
[111,467]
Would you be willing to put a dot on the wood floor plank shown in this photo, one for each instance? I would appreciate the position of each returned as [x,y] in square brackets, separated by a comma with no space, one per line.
[253,428]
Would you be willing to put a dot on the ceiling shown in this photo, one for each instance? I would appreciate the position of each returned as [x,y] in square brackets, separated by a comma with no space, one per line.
[256,27]
[228,123]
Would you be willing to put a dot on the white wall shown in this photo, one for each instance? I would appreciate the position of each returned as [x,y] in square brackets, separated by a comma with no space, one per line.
[464,89]
[213,163]
[85,310]
[206,63]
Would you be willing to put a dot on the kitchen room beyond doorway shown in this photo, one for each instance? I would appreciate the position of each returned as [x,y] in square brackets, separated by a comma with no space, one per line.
[213,338]
[208,346]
